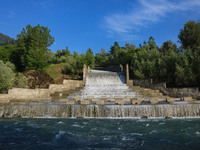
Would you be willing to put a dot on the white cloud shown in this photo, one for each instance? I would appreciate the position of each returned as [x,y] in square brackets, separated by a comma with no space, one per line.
[149,11]
[45,4]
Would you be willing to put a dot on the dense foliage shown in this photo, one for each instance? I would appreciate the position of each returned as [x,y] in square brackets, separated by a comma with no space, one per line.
[178,66]
[8,77]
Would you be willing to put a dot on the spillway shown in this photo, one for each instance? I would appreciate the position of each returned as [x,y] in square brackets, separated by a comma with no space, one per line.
[105,83]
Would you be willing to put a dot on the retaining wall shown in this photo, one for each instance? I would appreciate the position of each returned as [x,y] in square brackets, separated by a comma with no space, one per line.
[172,92]
[20,93]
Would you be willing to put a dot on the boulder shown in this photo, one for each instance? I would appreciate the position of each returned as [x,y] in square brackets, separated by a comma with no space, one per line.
[119,102]
[6,115]
[111,100]
[154,100]
[168,117]
[144,117]
[137,101]
[170,100]
[16,116]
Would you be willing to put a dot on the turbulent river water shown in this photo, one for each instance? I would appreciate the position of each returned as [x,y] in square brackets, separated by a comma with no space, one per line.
[40,133]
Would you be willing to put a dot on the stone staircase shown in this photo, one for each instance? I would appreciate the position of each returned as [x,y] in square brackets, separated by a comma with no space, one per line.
[64,93]
[148,93]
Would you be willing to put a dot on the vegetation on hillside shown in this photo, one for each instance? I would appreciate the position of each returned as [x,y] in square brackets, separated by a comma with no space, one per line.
[178,66]
[5,40]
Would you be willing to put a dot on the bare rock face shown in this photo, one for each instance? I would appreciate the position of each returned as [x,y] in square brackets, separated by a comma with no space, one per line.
[38,79]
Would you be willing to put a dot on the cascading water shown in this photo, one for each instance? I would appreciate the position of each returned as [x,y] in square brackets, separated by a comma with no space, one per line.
[99,84]
[105,83]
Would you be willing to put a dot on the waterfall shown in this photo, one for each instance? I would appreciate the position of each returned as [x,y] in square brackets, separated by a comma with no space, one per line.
[100,111]
[105,83]
[109,111]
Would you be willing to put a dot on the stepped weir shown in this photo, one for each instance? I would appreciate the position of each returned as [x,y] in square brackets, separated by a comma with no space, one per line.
[105,83]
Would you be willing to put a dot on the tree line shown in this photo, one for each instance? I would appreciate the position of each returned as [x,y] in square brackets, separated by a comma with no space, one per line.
[178,66]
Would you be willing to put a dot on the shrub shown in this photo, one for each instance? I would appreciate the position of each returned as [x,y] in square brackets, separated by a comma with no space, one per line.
[6,76]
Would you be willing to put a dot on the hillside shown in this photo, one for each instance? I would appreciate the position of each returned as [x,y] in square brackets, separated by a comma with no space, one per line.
[4,39]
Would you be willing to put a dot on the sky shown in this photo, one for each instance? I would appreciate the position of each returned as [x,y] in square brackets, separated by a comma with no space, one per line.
[96,24]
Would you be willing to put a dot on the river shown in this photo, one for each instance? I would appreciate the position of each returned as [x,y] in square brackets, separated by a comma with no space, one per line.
[51,133]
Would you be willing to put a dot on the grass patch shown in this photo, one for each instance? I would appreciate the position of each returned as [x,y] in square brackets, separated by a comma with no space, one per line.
[55,70]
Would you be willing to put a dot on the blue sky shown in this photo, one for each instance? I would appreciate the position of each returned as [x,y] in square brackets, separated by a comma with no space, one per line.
[80,24]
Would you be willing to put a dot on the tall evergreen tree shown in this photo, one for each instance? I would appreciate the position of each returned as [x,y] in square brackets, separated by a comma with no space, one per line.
[33,43]
[190,36]
[89,58]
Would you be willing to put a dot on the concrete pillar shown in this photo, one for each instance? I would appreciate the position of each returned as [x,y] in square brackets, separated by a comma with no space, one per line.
[84,73]
[127,74]
[121,68]
[88,70]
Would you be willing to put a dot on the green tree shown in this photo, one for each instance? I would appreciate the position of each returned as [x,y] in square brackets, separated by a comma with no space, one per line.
[6,76]
[190,35]
[89,58]
[58,53]
[101,58]
[33,42]
[168,46]
[65,52]
[6,52]
[152,43]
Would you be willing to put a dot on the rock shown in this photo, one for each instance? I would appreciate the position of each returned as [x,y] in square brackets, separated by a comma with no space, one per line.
[100,102]
[16,116]
[137,101]
[111,100]
[103,97]
[144,117]
[85,102]
[70,102]
[6,115]
[167,117]
[188,99]
[117,97]
[154,100]
[119,102]
[90,97]
[170,100]
[80,117]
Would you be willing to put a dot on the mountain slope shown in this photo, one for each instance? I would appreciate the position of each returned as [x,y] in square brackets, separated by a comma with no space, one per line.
[4,39]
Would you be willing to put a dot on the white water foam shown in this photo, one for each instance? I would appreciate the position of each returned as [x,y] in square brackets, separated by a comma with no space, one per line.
[105,83]
[58,136]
